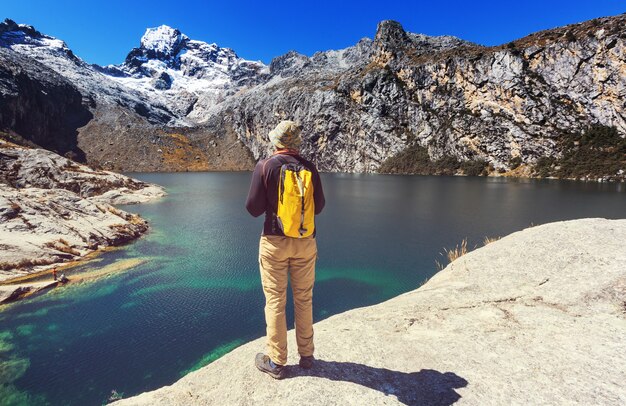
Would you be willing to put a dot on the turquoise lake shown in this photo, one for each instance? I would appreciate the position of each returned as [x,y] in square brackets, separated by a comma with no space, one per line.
[192,290]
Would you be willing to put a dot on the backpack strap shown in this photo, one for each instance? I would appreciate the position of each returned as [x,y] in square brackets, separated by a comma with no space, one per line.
[264,172]
[264,175]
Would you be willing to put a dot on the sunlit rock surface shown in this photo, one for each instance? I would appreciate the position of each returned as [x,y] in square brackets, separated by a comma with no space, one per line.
[537,317]
[53,210]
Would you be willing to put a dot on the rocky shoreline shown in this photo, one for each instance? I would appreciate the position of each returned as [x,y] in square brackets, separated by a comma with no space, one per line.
[537,317]
[54,210]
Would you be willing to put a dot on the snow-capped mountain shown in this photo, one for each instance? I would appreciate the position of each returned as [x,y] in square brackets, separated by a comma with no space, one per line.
[167,50]
[192,76]
[95,87]
[171,79]
[165,79]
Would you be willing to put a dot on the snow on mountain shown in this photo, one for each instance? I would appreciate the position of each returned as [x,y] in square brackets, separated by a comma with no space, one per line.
[192,76]
[176,81]
[171,79]
[363,104]
[162,40]
[164,48]
[165,79]
[95,87]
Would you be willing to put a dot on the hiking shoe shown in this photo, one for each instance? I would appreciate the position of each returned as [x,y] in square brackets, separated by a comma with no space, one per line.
[306,362]
[264,364]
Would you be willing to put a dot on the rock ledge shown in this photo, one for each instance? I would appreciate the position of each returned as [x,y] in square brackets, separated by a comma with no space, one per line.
[54,210]
[538,317]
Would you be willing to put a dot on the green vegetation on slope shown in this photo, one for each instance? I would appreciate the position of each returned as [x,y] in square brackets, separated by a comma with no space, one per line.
[415,160]
[598,152]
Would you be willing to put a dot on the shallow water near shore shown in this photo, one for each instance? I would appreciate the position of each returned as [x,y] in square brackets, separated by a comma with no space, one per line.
[193,291]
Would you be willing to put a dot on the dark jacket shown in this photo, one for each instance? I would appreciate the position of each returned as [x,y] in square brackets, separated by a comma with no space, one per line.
[263,194]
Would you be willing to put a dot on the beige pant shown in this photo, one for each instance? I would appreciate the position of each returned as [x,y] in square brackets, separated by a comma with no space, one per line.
[279,258]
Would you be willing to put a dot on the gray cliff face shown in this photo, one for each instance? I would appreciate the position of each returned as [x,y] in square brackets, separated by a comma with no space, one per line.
[351,108]
[133,117]
[37,101]
[455,98]
[359,106]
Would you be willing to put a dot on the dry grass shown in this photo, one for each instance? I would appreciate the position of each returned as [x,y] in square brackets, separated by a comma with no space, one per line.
[24,263]
[180,153]
[457,251]
[5,143]
[62,246]
[489,240]
[136,219]
[453,254]
[72,167]
[115,212]
[121,214]
[131,218]
[180,138]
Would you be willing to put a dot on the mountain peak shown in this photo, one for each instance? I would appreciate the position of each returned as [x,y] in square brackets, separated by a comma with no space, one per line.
[163,40]
[9,25]
[392,41]
[13,34]
[391,32]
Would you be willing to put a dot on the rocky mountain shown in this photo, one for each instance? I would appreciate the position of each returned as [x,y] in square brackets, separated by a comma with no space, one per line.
[181,104]
[51,98]
[191,75]
[95,88]
[462,101]
[40,103]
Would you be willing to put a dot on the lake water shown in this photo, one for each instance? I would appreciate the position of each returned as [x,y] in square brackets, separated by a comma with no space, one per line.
[194,291]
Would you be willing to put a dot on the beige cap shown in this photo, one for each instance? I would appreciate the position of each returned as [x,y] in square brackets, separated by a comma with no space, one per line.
[286,135]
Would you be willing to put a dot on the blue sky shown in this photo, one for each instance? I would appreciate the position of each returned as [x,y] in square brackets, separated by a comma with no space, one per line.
[104,32]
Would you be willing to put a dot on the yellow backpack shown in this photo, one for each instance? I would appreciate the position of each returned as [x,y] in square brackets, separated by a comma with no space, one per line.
[296,208]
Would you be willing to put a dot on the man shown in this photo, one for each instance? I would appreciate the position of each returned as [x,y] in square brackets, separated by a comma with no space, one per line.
[282,256]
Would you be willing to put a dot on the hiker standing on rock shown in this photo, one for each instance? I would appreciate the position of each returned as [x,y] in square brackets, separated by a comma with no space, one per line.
[288,189]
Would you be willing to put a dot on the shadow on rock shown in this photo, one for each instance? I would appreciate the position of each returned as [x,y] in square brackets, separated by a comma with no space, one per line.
[60,109]
[426,387]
